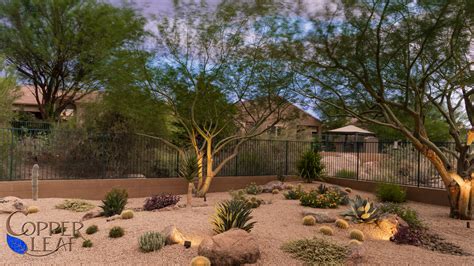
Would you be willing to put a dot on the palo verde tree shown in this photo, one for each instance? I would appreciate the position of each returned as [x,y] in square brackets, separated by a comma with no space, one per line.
[7,94]
[63,47]
[389,63]
[216,74]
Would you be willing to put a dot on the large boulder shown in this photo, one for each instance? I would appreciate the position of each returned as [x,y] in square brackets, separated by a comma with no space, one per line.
[234,247]
[92,214]
[270,186]
[321,217]
[11,204]
[172,235]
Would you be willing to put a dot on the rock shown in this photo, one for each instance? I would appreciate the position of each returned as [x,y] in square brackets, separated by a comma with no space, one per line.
[270,186]
[357,254]
[113,218]
[172,235]
[91,214]
[382,230]
[169,208]
[11,204]
[321,217]
[234,247]
[183,205]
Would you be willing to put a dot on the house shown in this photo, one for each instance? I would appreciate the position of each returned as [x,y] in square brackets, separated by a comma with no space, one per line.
[25,101]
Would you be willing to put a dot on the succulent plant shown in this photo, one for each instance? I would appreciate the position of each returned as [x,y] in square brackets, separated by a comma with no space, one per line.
[294,193]
[362,211]
[116,232]
[200,261]
[114,202]
[322,189]
[87,244]
[232,214]
[357,234]
[326,230]
[58,230]
[127,214]
[160,201]
[309,220]
[151,241]
[341,223]
[275,191]
[92,229]
[354,242]
[75,205]
[253,189]
[32,209]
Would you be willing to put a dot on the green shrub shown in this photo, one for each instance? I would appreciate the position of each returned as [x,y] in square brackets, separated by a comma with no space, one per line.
[87,244]
[75,205]
[317,251]
[344,173]
[92,229]
[294,193]
[409,215]
[310,166]
[362,211]
[151,241]
[114,202]
[253,189]
[313,199]
[232,214]
[116,232]
[390,193]
[322,188]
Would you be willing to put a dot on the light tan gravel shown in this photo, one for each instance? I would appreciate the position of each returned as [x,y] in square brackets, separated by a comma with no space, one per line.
[276,223]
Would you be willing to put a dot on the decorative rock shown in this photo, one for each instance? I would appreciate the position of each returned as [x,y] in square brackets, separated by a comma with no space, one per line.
[169,208]
[92,214]
[321,217]
[270,186]
[11,204]
[115,217]
[234,247]
[357,254]
[172,235]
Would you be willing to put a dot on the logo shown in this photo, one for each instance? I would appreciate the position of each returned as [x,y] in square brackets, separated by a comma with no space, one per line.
[39,238]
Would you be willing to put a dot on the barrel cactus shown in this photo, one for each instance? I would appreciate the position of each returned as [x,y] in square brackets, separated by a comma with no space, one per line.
[275,191]
[309,220]
[127,214]
[354,242]
[362,211]
[341,223]
[200,261]
[357,234]
[151,241]
[32,209]
[326,230]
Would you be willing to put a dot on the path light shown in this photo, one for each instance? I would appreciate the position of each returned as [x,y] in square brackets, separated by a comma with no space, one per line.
[187,244]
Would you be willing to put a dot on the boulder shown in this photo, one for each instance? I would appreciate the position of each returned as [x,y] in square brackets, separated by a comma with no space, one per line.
[382,230]
[11,204]
[270,186]
[234,247]
[92,214]
[172,235]
[321,217]
[113,218]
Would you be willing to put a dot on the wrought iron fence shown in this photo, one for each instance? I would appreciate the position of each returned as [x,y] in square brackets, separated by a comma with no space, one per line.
[80,155]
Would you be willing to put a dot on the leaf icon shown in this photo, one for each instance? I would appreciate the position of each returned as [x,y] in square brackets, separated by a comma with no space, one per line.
[16,244]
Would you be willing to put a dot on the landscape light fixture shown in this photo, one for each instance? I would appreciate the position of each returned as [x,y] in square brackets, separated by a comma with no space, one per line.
[187,244]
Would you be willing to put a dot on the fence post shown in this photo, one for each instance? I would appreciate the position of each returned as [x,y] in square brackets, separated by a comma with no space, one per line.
[236,164]
[10,166]
[177,163]
[286,158]
[358,160]
[34,181]
[418,171]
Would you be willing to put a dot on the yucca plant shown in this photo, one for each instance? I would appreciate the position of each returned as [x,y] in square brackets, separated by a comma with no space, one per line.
[114,202]
[362,211]
[189,170]
[311,167]
[232,214]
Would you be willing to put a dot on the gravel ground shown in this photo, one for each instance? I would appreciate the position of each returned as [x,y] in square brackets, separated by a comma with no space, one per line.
[277,223]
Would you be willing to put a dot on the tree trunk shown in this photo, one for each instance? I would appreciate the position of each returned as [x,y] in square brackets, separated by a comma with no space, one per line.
[200,170]
[209,170]
[190,195]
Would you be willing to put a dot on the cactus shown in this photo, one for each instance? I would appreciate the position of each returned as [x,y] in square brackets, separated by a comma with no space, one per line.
[92,229]
[341,223]
[151,241]
[275,191]
[309,220]
[326,230]
[34,181]
[200,261]
[362,211]
[116,232]
[32,209]
[127,214]
[357,234]
[87,244]
[354,242]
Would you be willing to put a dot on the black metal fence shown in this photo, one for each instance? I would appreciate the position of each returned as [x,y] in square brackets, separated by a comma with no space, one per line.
[81,155]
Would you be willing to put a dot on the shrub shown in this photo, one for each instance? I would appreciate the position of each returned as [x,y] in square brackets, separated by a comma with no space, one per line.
[253,189]
[232,214]
[391,193]
[127,214]
[344,173]
[407,235]
[200,261]
[32,209]
[160,201]
[76,235]
[309,220]
[316,251]
[326,230]
[114,202]
[275,191]
[75,205]
[409,215]
[357,234]
[331,199]
[116,232]
[322,189]
[362,211]
[92,229]
[151,241]
[310,166]
[294,193]
[87,244]
[341,223]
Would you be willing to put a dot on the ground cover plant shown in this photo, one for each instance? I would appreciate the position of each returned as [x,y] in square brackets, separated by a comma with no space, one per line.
[316,251]
[253,189]
[160,201]
[330,199]
[75,205]
[252,202]
[294,193]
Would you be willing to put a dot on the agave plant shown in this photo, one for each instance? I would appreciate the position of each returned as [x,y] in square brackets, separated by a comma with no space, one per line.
[362,211]
[322,189]
[232,214]
[189,170]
